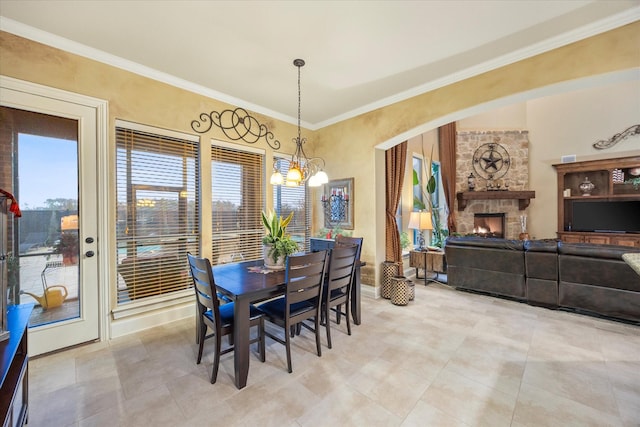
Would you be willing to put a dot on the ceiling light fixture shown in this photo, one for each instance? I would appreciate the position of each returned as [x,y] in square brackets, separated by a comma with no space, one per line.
[301,168]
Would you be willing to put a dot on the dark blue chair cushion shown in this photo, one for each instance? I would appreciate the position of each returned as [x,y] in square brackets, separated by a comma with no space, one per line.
[226,313]
[275,308]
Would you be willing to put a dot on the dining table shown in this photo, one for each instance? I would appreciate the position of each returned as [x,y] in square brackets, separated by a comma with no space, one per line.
[249,282]
[245,283]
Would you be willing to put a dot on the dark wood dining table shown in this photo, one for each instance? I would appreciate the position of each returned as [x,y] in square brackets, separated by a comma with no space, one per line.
[245,287]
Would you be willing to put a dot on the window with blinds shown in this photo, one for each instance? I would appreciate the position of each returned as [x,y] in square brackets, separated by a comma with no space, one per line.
[157,210]
[293,199]
[237,200]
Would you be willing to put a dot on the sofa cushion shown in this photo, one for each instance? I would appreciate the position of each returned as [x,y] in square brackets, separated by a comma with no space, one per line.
[603,272]
[595,250]
[489,242]
[544,245]
[617,303]
[489,265]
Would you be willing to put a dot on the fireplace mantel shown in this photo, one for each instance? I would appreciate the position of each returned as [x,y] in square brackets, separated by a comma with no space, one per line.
[523,197]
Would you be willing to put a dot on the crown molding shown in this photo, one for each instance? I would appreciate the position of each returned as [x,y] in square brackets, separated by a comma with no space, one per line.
[578,34]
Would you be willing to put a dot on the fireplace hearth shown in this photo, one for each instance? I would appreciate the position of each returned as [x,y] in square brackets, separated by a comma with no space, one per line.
[489,224]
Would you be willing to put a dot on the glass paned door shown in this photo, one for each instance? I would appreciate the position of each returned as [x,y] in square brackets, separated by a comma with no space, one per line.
[51,163]
[48,230]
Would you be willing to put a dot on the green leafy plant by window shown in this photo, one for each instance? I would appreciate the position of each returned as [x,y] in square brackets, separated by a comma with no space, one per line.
[404,240]
[428,192]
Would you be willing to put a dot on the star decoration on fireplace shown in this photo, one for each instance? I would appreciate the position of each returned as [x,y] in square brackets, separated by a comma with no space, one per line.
[491,161]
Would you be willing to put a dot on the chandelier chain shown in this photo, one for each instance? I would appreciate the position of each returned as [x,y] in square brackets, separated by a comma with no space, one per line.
[299,65]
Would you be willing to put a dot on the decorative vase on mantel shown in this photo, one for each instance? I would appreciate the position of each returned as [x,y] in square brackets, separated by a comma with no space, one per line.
[586,187]
[523,226]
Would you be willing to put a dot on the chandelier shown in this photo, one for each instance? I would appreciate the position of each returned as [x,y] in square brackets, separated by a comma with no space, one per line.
[301,168]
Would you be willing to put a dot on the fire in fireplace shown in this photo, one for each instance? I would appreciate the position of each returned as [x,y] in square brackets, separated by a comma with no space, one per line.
[489,224]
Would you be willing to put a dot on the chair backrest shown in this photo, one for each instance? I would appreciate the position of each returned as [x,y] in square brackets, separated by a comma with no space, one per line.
[347,241]
[305,276]
[204,286]
[341,268]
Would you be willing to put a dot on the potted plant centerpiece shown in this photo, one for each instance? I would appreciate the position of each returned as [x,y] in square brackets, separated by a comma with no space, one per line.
[277,243]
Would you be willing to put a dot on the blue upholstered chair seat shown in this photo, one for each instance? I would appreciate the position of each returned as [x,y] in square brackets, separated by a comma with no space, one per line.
[226,313]
[275,308]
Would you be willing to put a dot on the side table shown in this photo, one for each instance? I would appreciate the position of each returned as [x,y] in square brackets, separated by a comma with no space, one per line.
[433,261]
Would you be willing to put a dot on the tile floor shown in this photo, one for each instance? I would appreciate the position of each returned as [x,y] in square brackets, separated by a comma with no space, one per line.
[448,359]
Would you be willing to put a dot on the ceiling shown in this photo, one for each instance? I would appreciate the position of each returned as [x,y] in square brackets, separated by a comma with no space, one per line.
[360,55]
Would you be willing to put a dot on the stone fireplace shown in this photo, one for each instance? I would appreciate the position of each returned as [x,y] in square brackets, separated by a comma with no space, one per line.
[516,143]
[489,224]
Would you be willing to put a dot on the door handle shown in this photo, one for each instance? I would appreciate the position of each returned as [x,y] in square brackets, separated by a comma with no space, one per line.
[89,254]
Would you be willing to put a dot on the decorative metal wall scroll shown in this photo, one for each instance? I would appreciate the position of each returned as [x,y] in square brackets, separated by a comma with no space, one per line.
[602,144]
[236,124]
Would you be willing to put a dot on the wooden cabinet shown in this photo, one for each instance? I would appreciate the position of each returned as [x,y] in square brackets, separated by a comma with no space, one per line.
[14,391]
[625,241]
[613,181]
[571,237]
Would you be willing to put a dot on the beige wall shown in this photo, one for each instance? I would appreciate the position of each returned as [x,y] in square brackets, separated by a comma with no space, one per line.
[570,124]
[349,146]
[358,137]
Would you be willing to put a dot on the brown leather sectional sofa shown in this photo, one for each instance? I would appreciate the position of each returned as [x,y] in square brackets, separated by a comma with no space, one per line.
[587,278]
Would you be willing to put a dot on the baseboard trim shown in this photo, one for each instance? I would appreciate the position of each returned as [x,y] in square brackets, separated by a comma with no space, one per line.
[132,324]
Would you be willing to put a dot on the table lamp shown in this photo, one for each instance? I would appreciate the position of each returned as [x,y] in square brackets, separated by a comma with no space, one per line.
[420,221]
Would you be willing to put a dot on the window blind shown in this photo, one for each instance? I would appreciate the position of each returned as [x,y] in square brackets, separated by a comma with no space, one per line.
[237,190]
[293,199]
[157,211]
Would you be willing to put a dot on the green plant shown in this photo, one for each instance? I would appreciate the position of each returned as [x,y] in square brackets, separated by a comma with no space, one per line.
[634,181]
[13,268]
[428,192]
[404,240]
[279,242]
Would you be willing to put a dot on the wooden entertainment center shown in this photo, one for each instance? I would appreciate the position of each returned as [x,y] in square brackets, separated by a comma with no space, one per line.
[611,183]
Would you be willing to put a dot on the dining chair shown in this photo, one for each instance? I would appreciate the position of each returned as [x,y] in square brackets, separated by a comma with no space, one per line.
[355,285]
[347,241]
[304,277]
[218,317]
[337,292]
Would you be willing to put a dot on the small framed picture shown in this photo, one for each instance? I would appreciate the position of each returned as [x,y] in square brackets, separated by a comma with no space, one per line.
[337,202]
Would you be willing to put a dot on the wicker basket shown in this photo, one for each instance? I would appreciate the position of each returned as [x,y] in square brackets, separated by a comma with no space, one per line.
[389,270]
[400,294]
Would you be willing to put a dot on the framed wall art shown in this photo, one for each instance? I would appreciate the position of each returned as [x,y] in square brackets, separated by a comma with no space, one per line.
[337,203]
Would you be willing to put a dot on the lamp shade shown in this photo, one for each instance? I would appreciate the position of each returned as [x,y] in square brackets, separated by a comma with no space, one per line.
[294,176]
[277,178]
[420,221]
[322,177]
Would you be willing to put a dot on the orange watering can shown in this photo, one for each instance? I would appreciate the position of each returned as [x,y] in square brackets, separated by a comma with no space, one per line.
[53,296]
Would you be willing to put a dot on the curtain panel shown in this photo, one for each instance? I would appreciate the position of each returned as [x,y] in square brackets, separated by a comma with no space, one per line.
[395,161]
[447,148]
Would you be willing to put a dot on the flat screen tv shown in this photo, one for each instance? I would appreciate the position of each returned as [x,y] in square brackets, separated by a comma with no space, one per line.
[608,217]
